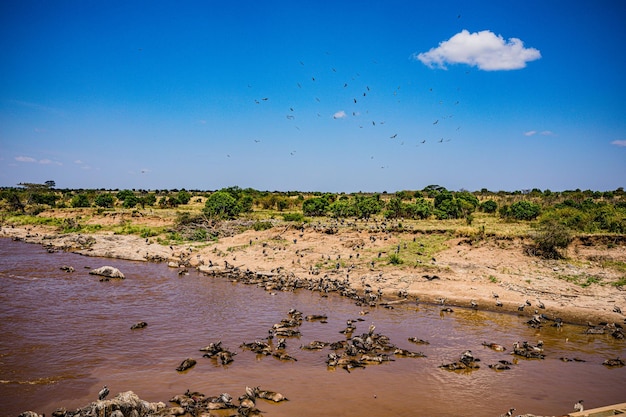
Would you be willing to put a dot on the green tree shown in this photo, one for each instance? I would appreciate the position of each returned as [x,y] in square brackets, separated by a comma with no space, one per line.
[12,197]
[80,200]
[368,206]
[342,208]
[394,208]
[245,202]
[149,199]
[183,196]
[315,206]
[489,206]
[130,201]
[124,194]
[44,198]
[524,210]
[221,205]
[104,200]
[421,209]
[469,198]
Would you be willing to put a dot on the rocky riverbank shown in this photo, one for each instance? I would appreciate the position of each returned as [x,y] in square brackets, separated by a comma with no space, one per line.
[493,274]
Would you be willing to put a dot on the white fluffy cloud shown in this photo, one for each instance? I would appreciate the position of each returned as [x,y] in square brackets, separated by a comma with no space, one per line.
[484,49]
[339,115]
[620,143]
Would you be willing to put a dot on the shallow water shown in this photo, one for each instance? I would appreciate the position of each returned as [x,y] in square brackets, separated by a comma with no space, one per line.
[64,335]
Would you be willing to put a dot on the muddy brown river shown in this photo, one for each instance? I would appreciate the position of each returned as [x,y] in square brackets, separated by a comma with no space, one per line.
[65,335]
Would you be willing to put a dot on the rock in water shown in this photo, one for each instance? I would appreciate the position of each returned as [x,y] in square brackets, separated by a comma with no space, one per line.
[107,271]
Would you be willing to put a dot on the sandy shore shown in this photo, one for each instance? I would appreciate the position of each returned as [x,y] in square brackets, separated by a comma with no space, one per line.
[466,272]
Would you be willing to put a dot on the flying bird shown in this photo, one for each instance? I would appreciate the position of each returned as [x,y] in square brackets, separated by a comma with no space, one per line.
[394,136]
[436,121]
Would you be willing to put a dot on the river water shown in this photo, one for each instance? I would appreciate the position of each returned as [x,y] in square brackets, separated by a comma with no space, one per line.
[65,335]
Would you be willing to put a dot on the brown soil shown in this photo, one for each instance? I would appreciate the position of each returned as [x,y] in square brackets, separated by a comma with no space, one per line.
[467,271]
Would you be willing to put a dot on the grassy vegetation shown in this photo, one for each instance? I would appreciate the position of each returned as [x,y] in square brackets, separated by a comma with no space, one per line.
[431,211]
[143,231]
[583,280]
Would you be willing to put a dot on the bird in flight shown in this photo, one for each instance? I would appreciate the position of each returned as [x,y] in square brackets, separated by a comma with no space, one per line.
[436,121]
[394,136]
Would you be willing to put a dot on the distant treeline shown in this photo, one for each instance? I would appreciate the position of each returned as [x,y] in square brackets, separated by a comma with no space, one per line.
[583,211]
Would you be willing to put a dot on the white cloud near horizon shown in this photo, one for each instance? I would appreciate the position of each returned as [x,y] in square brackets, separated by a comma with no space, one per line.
[484,49]
[339,115]
[542,133]
[49,162]
[620,143]
[28,159]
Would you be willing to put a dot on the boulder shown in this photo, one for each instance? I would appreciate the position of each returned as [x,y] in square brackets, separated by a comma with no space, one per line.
[108,272]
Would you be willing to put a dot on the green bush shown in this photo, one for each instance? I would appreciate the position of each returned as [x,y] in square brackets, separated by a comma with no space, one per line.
[104,200]
[222,205]
[315,206]
[394,259]
[489,206]
[183,197]
[130,201]
[124,194]
[293,217]
[80,200]
[368,206]
[550,238]
[523,210]
[258,226]
[342,208]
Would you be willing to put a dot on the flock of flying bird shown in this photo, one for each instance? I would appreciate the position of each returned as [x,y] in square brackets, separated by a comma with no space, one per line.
[354,97]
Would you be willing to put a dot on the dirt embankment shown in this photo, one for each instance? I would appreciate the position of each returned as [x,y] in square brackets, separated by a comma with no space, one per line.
[579,289]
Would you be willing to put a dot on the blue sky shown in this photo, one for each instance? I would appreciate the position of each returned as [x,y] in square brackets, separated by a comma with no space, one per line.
[313,95]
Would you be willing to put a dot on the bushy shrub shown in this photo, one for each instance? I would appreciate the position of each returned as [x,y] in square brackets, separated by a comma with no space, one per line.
[551,237]
[342,208]
[104,200]
[293,217]
[45,198]
[124,194]
[80,200]
[130,201]
[183,197]
[523,210]
[315,206]
[489,206]
[221,205]
[259,226]
[366,207]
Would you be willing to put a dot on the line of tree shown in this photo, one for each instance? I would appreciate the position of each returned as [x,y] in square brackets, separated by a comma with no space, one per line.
[586,211]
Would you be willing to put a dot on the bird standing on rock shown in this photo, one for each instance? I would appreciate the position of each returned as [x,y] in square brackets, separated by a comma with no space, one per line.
[103,393]
[579,406]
